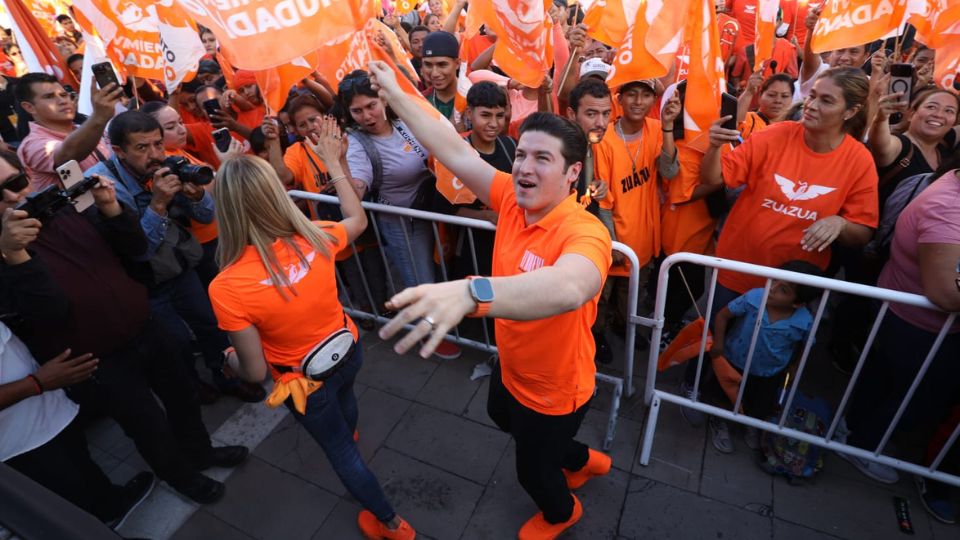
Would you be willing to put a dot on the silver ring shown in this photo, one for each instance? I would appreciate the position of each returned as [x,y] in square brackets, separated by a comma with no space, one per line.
[430,321]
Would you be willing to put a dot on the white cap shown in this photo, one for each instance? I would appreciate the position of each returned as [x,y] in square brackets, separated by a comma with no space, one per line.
[594,67]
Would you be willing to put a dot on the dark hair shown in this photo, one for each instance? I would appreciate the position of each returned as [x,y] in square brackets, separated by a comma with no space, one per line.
[805,293]
[591,86]
[356,83]
[205,30]
[258,142]
[303,102]
[129,122]
[573,143]
[418,28]
[24,90]
[406,26]
[855,86]
[924,95]
[191,87]
[11,157]
[950,163]
[74,57]
[152,107]
[775,78]
[427,18]
[486,94]
[63,17]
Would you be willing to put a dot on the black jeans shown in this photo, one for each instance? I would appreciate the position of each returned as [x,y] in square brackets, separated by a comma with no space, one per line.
[64,466]
[888,373]
[545,445]
[124,387]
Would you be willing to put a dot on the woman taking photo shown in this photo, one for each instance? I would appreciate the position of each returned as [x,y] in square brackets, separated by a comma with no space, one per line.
[776,94]
[393,165]
[277,297]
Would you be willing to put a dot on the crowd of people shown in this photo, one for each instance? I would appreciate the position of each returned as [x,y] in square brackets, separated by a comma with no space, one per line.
[189,247]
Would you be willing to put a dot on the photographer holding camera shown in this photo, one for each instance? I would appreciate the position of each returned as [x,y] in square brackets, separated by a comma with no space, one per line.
[65,277]
[166,195]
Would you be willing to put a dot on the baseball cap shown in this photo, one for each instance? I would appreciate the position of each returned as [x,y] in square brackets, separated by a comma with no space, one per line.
[441,43]
[594,67]
[649,83]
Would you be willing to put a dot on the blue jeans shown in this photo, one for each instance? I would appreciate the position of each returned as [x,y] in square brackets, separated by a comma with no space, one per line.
[331,418]
[411,271]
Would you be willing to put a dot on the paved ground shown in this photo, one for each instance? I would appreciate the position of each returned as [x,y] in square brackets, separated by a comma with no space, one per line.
[425,434]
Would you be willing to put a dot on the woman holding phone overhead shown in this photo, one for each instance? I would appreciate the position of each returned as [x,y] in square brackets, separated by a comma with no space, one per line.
[278,272]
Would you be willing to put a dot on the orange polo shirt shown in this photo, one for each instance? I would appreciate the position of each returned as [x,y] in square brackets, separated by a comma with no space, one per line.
[547,364]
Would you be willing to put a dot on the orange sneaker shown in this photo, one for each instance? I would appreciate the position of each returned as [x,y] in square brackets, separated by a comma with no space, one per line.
[447,350]
[537,528]
[374,529]
[598,464]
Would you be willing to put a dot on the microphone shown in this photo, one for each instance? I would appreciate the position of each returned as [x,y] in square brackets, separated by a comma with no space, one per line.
[773,66]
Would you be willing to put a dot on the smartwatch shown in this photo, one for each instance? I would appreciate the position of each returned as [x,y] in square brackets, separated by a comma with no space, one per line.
[481,290]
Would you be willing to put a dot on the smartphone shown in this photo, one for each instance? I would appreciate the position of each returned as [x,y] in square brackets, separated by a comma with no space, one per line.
[70,173]
[678,122]
[901,80]
[104,74]
[222,138]
[728,107]
[212,106]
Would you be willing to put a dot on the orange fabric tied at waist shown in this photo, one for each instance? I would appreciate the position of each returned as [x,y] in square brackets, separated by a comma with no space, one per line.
[292,385]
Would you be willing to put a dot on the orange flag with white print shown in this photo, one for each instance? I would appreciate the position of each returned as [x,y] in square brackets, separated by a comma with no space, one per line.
[37,48]
[46,11]
[524,48]
[848,23]
[705,78]
[938,27]
[267,33]
[451,187]
[766,31]
[152,40]
[652,41]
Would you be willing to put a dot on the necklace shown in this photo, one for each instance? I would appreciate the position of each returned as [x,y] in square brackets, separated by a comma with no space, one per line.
[636,156]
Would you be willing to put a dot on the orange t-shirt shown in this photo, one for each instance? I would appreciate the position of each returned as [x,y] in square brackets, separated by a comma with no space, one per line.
[471,48]
[745,12]
[202,135]
[632,197]
[242,295]
[205,232]
[547,364]
[752,123]
[685,225]
[252,118]
[788,188]
[312,175]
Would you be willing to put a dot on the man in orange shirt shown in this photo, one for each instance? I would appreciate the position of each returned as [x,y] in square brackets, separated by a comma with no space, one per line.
[550,260]
[634,151]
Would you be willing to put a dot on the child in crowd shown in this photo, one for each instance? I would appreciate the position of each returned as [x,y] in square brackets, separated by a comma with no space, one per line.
[785,326]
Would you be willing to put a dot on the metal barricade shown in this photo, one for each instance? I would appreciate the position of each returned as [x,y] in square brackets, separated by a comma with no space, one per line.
[655,397]
[470,225]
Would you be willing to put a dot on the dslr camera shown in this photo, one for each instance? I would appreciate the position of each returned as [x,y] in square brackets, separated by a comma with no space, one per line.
[44,204]
[180,167]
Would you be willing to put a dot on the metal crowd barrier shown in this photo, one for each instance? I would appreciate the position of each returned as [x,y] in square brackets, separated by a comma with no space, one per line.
[655,397]
[373,209]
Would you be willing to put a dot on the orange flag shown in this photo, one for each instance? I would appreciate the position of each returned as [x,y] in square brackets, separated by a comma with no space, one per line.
[451,187]
[938,27]
[766,31]
[402,7]
[848,23]
[265,34]
[705,79]
[524,48]
[607,20]
[37,48]
[652,41]
[275,83]
[152,40]
[46,13]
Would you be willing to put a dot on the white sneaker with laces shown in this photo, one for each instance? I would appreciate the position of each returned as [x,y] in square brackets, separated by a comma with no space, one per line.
[873,470]
[721,435]
[693,417]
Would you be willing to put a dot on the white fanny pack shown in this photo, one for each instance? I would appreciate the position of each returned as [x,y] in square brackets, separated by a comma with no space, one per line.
[326,357]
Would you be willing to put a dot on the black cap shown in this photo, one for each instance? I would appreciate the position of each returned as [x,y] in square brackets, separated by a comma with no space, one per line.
[208,66]
[441,43]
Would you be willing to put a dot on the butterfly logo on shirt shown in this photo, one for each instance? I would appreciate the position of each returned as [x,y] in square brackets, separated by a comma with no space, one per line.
[295,272]
[800,191]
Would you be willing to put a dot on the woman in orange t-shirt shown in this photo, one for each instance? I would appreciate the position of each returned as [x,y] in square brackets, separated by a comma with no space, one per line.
[277,297]
[776,94]
[808,183]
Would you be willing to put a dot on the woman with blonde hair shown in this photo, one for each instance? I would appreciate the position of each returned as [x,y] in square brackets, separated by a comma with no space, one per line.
[276,295]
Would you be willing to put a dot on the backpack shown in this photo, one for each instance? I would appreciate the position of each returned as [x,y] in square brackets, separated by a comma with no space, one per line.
[906,191]
[795,459]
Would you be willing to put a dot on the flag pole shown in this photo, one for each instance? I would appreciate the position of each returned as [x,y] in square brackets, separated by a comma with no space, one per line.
[573,54]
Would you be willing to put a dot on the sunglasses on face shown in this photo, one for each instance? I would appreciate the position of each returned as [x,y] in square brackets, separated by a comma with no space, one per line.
[15,183]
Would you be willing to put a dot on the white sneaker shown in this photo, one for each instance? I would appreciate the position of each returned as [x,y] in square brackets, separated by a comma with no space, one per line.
[752,437]
[871,469]
[721,435]
[693,417]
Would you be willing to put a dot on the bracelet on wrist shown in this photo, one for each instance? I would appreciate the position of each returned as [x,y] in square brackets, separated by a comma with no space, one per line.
[36,383]
[336,179]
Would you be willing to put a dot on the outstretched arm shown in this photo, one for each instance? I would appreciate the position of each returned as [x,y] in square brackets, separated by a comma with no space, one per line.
[435,134]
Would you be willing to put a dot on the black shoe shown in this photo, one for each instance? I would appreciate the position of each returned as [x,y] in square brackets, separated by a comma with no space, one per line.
[223,456]
[134,492]
[604,354]
[208,393]
[242,390]
[201,489]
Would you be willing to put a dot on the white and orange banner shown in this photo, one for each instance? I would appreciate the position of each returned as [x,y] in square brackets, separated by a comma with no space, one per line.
[766,31]
[653,40]
[849,23]
[38,50]
[152,40]
[268,33]
[524,48]
[705,79]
